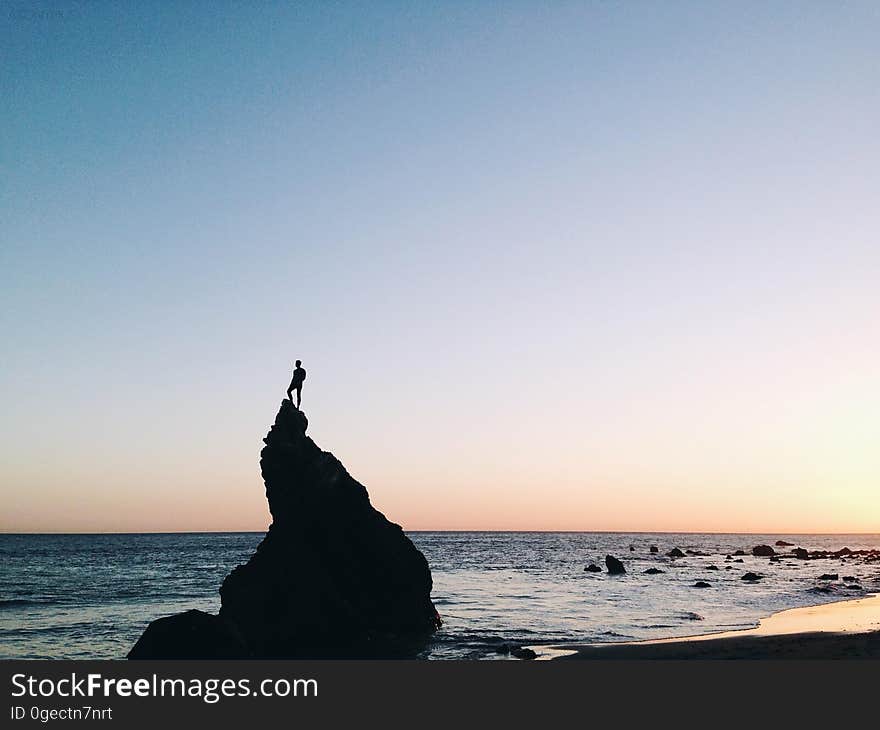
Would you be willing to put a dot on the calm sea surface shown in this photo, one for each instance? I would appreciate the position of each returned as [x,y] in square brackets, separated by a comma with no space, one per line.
[91,596]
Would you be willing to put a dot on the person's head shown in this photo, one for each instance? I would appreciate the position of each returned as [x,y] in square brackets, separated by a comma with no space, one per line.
[298,363]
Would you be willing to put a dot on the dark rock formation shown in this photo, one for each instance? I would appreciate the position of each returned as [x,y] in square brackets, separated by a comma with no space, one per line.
[821,589]
[702,584]
[850,579]
[615,567]
[519,652]
[740,552]
[675,553]
[828,576]
[593,568]
[522,652]
[751,577]
[654,571]
[654,549]
[190,635]
[331,578]
[711,567]
[843,555]
[332,573]
[763,551]
[783,543]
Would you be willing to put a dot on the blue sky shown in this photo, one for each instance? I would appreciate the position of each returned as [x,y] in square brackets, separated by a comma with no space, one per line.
[570,265]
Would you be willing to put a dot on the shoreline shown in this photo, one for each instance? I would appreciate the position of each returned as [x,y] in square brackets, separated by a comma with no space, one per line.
[848,629]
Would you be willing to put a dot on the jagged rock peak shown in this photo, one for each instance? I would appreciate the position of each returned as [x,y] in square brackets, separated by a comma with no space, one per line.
[332,570]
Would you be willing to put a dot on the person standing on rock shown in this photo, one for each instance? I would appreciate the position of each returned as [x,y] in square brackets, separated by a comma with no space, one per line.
[296,383]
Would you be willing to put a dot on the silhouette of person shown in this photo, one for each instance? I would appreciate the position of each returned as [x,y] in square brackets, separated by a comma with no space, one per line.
[296,383]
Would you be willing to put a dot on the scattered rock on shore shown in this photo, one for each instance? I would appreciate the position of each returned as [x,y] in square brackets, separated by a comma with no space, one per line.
[751,577]
[593,568]
[615,567]
[654,571]
[763,551]
[675,553]
[783,543]
[821,589]
[828,576]
[702,584]
[654,549]
[522,652]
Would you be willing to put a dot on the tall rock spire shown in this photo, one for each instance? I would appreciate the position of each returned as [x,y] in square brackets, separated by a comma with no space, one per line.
[332,573]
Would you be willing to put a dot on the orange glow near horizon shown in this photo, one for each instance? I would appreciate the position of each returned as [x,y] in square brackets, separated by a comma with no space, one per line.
[549,266]
[831,491]
[807,465]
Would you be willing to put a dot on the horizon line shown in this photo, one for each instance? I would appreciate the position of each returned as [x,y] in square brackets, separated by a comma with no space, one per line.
[457,531]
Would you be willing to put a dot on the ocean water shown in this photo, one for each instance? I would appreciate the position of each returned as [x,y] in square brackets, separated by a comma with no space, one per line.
[91,596]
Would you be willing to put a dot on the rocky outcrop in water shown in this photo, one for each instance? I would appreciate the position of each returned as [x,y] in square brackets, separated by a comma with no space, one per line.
[190,635]
[518,652]
[331,578]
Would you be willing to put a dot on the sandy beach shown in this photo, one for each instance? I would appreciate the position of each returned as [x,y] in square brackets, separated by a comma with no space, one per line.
[842,630]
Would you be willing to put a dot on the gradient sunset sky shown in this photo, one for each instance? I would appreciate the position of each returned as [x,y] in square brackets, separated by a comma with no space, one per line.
[587,266]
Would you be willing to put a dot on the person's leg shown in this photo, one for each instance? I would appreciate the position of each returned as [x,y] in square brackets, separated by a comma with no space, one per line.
[298,395]
[289,391]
